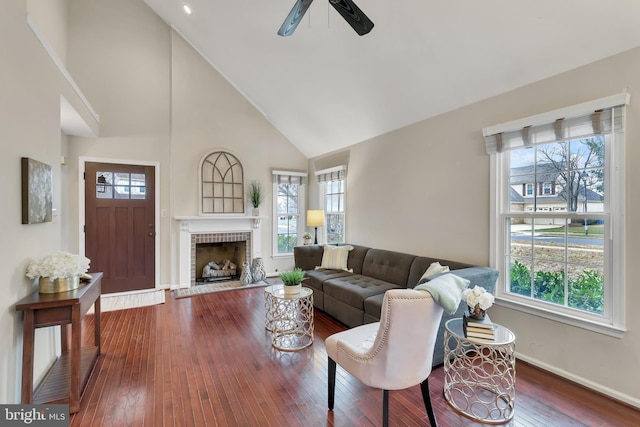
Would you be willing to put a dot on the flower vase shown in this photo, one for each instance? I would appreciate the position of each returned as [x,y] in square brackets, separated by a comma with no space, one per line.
[477,313]
[257,270]
[307,242]
[47,285]
[245,276]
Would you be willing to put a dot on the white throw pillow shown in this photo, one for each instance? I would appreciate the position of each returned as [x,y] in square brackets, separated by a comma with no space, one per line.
[434,268]
[335,257]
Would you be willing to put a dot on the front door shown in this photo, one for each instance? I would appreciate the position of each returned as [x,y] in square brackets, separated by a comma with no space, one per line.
[120,225]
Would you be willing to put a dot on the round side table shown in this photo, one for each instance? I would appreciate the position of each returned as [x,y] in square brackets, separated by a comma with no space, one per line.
[480,378]
[289,318]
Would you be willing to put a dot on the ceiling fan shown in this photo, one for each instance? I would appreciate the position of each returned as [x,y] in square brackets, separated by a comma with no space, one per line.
[347,8]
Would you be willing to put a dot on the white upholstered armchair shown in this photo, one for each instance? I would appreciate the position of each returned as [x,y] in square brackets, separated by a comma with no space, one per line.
[393,354]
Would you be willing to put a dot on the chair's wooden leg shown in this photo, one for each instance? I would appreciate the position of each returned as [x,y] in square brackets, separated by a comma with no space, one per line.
[332,382]
[426,396]
[385,408]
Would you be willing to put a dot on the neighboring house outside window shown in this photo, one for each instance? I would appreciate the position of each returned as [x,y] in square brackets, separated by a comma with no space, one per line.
[288,206]
[333,185]
[560,249]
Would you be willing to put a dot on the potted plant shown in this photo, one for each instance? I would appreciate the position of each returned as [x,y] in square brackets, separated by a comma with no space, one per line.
[256,196]
[58,272]
[291,280]
[307,238]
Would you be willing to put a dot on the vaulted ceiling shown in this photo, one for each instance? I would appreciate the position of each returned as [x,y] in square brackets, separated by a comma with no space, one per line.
[325,87]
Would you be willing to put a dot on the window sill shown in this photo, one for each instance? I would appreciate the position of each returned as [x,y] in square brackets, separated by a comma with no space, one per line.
[282,256]
[601,328]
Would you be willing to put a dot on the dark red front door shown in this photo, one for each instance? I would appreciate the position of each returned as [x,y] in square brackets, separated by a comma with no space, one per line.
[120,225]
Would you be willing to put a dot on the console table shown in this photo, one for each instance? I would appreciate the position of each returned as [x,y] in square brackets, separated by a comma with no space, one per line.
[67,378]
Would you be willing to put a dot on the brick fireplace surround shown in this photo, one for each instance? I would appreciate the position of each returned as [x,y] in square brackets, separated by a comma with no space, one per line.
[210,229]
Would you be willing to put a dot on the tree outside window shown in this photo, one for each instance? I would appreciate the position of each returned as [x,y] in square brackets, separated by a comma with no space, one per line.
[551,258]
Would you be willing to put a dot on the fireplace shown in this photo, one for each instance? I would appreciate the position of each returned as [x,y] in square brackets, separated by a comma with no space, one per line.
[219,256]
[215,238]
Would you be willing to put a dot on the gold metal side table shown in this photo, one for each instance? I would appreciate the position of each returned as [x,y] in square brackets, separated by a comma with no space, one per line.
[289,318]
[480,378]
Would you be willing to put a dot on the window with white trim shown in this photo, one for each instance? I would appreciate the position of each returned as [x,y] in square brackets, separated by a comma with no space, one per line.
[333,184]
[288,208]
[560,250]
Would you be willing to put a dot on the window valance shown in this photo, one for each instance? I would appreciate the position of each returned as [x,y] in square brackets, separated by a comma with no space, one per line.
[287,177]
[331,174]
[592,118]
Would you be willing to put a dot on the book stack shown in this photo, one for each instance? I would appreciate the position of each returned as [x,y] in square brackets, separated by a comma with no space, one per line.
[478,330]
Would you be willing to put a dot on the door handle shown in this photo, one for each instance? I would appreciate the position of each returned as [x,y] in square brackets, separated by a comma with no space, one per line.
[152,234]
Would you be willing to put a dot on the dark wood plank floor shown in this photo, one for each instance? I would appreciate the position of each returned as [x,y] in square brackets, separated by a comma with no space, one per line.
[208,361]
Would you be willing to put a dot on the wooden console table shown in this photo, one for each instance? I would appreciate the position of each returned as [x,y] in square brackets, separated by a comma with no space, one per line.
[67,378]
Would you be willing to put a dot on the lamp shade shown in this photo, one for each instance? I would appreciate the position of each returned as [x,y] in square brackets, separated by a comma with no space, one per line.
[315,218]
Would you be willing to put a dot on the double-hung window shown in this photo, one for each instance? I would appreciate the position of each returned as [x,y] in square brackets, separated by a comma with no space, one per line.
[288,206]
[333,184]
[559,249]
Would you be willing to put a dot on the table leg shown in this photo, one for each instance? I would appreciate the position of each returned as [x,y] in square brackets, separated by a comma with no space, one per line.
[96,323]
[76,337]
[27,356]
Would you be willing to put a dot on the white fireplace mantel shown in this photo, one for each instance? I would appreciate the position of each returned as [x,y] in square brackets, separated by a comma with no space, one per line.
[212,224]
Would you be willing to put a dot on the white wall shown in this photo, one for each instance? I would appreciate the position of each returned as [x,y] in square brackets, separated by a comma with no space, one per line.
[159,100]
[29,127]
[424,189]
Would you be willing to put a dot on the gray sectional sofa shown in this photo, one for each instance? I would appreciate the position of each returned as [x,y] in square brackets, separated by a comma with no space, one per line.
[355,298]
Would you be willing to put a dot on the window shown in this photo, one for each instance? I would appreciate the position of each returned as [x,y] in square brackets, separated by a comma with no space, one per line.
[120,185]
[288,204]
[222,184]
[559,251]
[529,190]
[333,183]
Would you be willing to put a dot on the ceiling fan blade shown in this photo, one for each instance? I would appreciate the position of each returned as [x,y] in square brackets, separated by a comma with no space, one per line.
[353,15]
[294,17]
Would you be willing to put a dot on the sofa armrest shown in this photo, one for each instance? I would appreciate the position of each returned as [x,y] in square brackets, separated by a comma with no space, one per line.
[485,277]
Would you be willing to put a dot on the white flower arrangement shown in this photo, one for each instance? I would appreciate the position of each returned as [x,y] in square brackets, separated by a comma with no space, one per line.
[478,297]
[57,265]
[307,236]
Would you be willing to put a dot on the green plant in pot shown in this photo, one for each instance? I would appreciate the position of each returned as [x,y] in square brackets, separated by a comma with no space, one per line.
[256,196]
[292,280]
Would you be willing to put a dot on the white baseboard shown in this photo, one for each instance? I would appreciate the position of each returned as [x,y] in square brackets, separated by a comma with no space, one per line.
[607,391]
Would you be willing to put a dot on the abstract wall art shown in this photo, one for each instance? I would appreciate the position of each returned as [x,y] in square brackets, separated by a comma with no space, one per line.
[37,191]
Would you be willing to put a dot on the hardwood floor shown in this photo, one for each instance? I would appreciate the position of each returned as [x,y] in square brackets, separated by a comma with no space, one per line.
[208,361]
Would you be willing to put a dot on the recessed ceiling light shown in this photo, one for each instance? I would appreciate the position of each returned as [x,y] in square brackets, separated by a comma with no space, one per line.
[187,9]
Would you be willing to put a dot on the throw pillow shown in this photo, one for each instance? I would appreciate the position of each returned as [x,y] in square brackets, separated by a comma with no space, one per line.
[434,268]
[335,257]
[446,290]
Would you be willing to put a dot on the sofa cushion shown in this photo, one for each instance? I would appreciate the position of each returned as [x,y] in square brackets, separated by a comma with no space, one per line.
[315,278]
[373,307]
[356,258]
[308,257]
[387,266]
[335,257]
[354,289]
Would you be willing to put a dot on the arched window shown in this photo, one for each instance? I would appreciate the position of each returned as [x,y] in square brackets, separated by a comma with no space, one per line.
[222,181]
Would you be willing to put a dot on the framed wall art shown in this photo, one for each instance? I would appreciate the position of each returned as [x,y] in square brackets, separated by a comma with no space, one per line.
[37,192]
